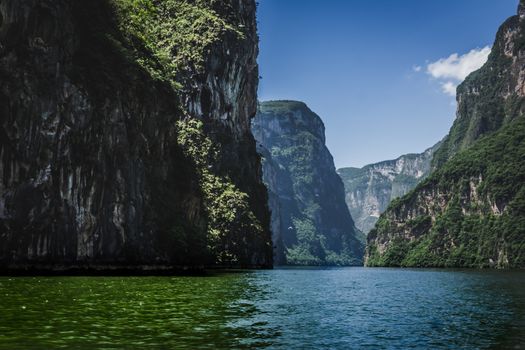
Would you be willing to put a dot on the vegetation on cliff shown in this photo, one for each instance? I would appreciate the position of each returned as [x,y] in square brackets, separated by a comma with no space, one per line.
[133,164]
[484,105]
[171,40]
[469,211]
[233,230]
[314,223]
[170,36]
[482,223]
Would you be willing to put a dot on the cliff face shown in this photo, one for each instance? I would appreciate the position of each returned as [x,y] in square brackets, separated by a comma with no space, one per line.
[310,221]
[369,190]
[490,97]
[469,211]
[125,135]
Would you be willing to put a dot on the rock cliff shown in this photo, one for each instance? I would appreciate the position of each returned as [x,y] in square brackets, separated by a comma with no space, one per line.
[310,221]
[469,211]
[370,189]
[125,135]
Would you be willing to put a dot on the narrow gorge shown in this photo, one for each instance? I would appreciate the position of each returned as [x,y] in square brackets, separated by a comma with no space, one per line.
[130,139]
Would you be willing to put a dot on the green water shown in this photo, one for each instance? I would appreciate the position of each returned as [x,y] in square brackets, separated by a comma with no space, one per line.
[284,308]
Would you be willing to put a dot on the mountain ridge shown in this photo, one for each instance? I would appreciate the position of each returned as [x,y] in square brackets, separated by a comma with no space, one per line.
[369,190]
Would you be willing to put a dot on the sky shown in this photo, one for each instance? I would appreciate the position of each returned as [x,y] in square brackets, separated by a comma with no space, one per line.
[382,73]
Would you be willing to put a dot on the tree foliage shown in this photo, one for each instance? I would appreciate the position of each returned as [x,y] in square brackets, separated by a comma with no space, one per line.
[232,226]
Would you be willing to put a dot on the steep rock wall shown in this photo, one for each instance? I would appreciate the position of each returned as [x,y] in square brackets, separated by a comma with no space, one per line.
[92,170]
[311,223]
[370,189]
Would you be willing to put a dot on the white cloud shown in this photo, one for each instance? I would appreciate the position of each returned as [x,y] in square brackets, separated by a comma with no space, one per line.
[449,88]
[458,67]
[452,70]
[417,69]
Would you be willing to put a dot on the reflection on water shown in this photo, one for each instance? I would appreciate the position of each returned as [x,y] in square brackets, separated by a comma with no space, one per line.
[123,311]
[285,308]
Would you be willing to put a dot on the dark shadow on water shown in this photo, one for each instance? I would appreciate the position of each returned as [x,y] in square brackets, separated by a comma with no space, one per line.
[123,271]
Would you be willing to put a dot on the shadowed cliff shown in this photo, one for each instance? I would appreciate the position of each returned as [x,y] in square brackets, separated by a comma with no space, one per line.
[125,135]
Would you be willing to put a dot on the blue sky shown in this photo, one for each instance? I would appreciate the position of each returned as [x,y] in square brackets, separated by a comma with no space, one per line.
[380,73]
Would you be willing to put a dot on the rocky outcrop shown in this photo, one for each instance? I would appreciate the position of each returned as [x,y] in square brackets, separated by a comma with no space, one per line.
[370,189]
[96,168]
[310,221]
[469,211]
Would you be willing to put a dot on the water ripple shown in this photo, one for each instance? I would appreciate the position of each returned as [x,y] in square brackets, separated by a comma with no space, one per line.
[341,308]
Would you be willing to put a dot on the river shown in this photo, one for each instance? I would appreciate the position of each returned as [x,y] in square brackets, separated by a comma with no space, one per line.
[303,308]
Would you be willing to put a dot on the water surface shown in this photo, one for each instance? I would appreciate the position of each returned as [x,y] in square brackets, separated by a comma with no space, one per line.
[338,308]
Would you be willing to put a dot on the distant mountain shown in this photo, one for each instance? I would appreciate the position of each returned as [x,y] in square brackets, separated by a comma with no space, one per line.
[471,210]
[369,190]
[310,221]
